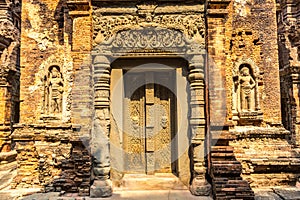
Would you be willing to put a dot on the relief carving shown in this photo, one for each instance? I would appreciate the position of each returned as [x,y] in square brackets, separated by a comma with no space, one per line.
[246,104]
[135,122]
[294,35]
[54,90]
[247,85]
[147,38]
[147,10]
[193,26]
[164,122]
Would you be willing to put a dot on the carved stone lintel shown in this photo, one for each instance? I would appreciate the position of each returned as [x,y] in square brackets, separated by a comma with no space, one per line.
[192,26]
[148,38]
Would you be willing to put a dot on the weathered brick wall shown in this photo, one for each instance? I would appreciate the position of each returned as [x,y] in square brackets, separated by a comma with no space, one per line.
[52,146]
[53,158]
[42,47]
[217,70]
[254,36]
[250,36]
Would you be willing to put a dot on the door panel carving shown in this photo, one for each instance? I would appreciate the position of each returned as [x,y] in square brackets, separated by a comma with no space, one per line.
[149,104]
[134,140]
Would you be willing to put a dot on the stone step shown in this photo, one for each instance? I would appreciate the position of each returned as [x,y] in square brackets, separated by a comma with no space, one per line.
[222,155]
[159,181]
[215,149]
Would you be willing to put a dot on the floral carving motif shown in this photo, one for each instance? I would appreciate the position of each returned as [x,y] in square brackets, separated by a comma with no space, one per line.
[105,27]
[148,38]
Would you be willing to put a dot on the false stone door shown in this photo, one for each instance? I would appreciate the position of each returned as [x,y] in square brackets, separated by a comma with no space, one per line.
[149,120]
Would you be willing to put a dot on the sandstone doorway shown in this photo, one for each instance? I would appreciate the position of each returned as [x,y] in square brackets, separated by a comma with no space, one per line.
[149,133]
[150,122]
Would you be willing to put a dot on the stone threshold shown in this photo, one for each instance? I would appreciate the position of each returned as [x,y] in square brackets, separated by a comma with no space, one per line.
[158,181]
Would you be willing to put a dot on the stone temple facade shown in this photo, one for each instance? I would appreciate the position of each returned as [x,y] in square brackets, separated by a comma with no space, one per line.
[199,95]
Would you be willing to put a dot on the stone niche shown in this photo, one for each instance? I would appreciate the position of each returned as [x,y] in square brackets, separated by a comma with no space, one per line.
[53,91]
[246,99]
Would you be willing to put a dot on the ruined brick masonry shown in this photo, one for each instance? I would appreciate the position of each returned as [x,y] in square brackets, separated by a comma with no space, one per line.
[79,114]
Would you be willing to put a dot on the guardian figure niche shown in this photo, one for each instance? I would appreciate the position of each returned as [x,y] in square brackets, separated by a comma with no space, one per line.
[247,87]
[246,107]
[53,90]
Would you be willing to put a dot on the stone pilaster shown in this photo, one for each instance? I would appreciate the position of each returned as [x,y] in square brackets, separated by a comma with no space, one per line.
[5,116]
[100,134]
[199,185]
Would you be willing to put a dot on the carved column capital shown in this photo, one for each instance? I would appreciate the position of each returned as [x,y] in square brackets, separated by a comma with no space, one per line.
[101,66]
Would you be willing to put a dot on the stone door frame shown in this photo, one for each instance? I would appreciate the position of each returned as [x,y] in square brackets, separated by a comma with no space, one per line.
[118,46]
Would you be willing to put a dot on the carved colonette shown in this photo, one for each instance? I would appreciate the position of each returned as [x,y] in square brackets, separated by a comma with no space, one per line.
[198,123]
[101,127]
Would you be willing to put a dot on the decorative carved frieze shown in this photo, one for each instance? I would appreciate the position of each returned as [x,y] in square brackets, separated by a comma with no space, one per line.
[148,39]
[192,26]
